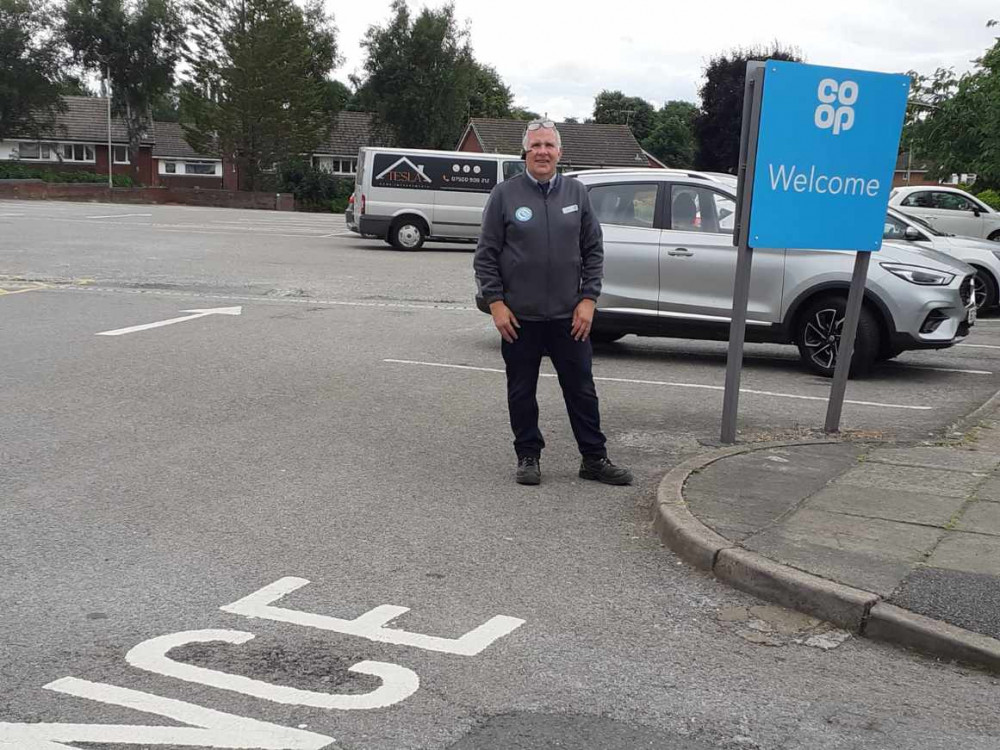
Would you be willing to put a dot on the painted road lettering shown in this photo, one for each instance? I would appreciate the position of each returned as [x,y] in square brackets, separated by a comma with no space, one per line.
[210,728]
[214,728]
[399,683]
[372,624]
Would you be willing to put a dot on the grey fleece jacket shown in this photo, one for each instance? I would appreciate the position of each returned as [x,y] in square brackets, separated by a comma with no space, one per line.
[540,254]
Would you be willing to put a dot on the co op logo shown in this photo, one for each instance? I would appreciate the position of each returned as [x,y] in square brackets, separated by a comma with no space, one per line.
[836,110]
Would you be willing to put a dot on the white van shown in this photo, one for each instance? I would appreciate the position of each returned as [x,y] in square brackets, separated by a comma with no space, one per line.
[406,196]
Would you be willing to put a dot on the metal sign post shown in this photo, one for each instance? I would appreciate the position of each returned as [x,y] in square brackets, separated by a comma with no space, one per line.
[845,350]
[817,154]
[753,91]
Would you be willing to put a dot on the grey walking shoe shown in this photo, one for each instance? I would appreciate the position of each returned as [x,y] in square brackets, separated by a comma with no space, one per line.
[528,470]
[602,470]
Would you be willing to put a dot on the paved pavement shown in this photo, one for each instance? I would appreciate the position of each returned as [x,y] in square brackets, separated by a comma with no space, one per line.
[898,542]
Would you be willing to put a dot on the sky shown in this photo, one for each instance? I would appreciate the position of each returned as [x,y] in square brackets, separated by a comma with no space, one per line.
[557,55]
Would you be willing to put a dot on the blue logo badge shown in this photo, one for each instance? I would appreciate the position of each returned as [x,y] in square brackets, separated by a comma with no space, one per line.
[523,214]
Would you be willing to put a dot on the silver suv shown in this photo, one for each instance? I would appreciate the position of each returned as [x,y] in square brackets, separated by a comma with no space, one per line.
[669,265]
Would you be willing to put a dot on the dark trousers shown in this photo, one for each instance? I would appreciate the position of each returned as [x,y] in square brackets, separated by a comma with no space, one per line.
[572,361]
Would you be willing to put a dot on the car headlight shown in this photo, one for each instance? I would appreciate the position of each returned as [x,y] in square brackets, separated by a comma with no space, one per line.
[996,253]
[919,274]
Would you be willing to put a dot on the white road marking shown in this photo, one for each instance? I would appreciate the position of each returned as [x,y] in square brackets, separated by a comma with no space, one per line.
[673,385]
[980,346]
[215,728]
[196,314]
[118,216]
[269,300]
[904,366]
[371,625]
[398,683]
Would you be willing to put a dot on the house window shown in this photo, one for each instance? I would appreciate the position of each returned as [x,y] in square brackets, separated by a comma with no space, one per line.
[170,167]
[195,167]
[345,166]
[78,152]
[34,151]
[121,154]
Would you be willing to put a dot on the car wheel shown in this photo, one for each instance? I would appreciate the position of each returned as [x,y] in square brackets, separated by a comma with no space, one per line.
[407,233]
[986,289]
[818,336]
[995,237]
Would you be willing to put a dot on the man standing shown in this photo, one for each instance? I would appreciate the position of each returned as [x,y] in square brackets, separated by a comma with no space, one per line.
[538,266]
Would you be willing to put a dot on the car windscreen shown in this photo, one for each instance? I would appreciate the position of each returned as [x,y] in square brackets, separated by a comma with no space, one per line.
[925,225]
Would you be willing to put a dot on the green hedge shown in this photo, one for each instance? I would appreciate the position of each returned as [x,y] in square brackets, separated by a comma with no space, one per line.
[316,190]
[991,198]
[12,170]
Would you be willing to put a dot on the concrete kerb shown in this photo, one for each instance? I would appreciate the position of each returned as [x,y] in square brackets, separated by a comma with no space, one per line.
[862,612]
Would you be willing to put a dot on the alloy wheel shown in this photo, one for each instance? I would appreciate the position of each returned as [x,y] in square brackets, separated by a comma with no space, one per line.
[822,337]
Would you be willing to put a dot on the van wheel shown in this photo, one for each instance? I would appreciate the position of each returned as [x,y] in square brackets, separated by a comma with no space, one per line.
[407,233]
[995,237]
[818,336]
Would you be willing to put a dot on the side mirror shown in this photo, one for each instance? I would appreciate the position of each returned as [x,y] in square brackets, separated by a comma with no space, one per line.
[911,234]
[976,212]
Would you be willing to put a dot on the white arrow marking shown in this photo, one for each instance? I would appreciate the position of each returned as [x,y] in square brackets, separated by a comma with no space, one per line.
[196,314]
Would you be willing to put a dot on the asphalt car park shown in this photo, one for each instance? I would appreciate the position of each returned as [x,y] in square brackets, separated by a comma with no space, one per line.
[347,428]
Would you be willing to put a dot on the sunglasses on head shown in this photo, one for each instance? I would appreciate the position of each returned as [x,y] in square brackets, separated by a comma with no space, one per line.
[538,124]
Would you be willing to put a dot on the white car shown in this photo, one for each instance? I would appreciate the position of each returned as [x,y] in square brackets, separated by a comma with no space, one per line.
[948,210]
[982,255]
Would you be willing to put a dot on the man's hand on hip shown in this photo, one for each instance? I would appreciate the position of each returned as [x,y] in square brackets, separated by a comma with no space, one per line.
[505,321]
[583,319]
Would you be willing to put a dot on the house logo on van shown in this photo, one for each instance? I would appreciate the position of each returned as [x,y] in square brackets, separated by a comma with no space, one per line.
[405,172]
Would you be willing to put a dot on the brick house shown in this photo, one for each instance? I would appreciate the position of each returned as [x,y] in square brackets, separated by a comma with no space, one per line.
[584,145]
[176,164]
[351,131]
[78,141]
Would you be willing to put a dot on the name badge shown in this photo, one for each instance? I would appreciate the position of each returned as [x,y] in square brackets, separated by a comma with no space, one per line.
[571,209]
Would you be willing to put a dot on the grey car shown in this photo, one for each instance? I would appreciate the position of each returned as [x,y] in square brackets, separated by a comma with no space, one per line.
[982,255]
[670,264]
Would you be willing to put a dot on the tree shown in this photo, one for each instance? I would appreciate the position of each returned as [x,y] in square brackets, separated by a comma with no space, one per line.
[419,76]
[258,89]
[30,64]
[960,132]
[672,138]
[717,129]
[520,113]
[137,44]
[70,84]
[489,96]
[613,107]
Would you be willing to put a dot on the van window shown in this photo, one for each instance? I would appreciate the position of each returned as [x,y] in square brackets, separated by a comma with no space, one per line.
[512,169]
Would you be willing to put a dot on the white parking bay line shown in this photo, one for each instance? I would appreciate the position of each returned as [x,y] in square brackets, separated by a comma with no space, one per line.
[943,369]
[117,216]
[700,386]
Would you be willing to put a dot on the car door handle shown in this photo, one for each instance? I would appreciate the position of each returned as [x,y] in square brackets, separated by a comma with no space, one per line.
[682,252]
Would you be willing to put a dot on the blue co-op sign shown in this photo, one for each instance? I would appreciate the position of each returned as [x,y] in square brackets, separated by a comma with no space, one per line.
[826,154]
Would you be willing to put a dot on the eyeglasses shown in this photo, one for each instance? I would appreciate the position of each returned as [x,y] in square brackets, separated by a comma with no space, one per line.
[539,124]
